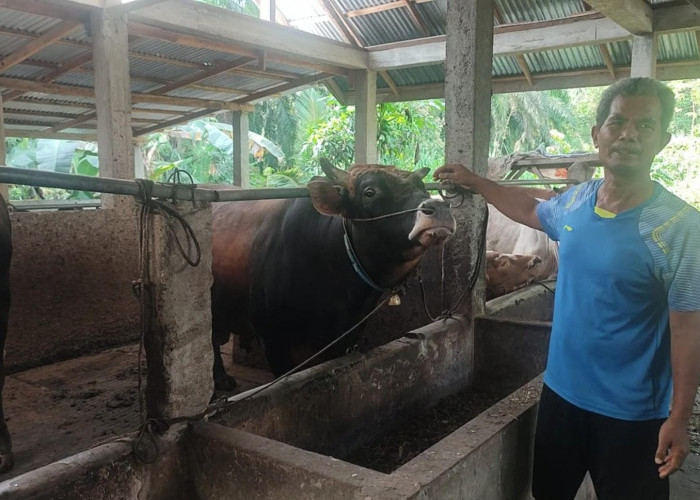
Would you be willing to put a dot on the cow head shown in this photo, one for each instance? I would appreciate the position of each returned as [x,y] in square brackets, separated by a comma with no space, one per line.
[371,191]
[506,273]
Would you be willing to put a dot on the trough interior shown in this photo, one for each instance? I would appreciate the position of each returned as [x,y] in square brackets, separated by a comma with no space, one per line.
[382,408]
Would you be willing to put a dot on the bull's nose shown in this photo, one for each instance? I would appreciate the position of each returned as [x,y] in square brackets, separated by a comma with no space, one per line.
[429,207]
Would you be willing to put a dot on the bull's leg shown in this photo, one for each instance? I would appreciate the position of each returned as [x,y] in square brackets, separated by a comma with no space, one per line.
[6,456]
[222,380]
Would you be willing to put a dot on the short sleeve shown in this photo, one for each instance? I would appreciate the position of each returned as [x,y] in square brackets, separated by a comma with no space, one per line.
[684,278]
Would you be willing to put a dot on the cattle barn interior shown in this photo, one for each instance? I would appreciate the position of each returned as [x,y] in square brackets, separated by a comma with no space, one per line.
[112,71]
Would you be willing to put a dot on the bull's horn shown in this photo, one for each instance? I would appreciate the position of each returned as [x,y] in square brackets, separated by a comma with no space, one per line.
[335,174]
[421,172]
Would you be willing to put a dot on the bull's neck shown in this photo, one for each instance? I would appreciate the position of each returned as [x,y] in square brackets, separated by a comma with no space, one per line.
[384,267]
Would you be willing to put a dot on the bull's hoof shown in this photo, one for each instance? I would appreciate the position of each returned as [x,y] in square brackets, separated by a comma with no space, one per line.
[7,460]
[225,383]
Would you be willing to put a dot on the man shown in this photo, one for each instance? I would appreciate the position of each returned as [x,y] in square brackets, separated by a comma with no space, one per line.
[626,327]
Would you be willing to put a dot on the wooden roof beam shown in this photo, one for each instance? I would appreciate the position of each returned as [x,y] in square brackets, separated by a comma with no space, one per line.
[413,12]
[510,43]
[47,9]
[278,89]
[59,31]
[333,12]
[175,121]
[694,3]
[524,68]
[185,102]
[397,4]
[157,33]
[605,53]
[389,81]
[218,68]
[633,15]
[229,28]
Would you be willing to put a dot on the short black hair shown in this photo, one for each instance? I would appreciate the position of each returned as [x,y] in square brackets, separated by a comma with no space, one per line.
[635,87]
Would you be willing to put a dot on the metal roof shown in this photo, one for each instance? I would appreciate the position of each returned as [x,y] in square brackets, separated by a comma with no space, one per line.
[196,62]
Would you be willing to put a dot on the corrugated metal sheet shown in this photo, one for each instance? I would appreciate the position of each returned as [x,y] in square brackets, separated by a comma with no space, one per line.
[523,11]
[154,63]
[677,46]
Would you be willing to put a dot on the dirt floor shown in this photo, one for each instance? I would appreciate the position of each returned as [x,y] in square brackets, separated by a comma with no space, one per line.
[58,410]
[61,409]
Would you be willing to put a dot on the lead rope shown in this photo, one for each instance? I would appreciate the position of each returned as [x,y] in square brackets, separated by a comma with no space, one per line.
[145,446]
[450,193]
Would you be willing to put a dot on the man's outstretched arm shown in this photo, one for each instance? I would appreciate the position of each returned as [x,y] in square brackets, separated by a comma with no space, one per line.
[514,204]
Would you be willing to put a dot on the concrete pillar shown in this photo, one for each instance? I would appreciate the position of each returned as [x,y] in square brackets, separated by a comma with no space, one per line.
[366,117]
[178,344]
[644,56]
[4,188]
[468,68]
[110,48]
[241,167]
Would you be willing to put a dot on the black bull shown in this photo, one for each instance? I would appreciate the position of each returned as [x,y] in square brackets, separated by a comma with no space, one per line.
[283,272]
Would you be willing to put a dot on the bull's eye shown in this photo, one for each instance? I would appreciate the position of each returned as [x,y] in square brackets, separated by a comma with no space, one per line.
[370,192]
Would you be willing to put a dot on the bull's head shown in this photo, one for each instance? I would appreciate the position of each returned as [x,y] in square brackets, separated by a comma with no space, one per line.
[386,199]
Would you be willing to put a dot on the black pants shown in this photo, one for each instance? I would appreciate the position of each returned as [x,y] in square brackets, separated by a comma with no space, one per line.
[618,454]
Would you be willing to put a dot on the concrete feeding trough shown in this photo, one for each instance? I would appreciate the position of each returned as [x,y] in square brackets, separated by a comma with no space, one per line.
[292,438]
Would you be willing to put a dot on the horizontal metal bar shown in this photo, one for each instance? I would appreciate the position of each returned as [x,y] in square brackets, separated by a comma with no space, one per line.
[29,177]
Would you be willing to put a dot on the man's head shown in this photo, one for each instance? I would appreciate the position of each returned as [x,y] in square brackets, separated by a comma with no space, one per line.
[632,124]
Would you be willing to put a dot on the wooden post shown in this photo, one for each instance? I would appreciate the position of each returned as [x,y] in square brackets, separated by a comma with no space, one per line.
[366,117]
[644,56]
[113,99]
[241,166]
[467,135]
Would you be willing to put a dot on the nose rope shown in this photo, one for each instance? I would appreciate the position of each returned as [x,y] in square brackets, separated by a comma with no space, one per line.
[425,210]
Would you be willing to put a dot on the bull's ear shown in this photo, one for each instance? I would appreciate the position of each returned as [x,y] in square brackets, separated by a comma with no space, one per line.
[326,197]
[421,172]
[334,173]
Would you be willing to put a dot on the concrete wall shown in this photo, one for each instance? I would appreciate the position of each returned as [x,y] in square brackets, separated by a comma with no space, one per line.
[325,408]
[71,287]
[109,471]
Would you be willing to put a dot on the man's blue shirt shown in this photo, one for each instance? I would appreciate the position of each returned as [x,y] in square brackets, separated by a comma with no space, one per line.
[618,277]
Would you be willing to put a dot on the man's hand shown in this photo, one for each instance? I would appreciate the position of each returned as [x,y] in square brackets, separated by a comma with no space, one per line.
[456,174]
[674,445]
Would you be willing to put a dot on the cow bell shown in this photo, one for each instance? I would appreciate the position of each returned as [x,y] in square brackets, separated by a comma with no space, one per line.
[395,300]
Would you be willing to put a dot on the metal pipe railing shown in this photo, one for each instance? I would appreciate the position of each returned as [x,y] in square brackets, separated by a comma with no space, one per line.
[27,177]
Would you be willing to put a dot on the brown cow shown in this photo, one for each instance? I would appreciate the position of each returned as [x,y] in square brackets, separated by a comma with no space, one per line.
[506,273]
[298,273]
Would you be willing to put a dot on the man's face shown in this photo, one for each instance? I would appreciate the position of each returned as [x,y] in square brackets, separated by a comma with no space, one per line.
[631,135]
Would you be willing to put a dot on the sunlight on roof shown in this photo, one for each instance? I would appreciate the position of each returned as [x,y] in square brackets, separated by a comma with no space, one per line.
[301,13]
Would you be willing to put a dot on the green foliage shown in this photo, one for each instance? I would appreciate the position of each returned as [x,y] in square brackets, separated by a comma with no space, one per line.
[529,121]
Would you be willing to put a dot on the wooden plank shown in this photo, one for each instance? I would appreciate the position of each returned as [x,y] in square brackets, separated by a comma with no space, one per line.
[633,15]
[48,9]
[413,13]
[278,89]
[605,54]
[52,88]
[59,31]
[377,8]
[432,51]
[201,20]
[389,81]
[216,69]
[175,121]
[201,42]
[333,12]
[524,68]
